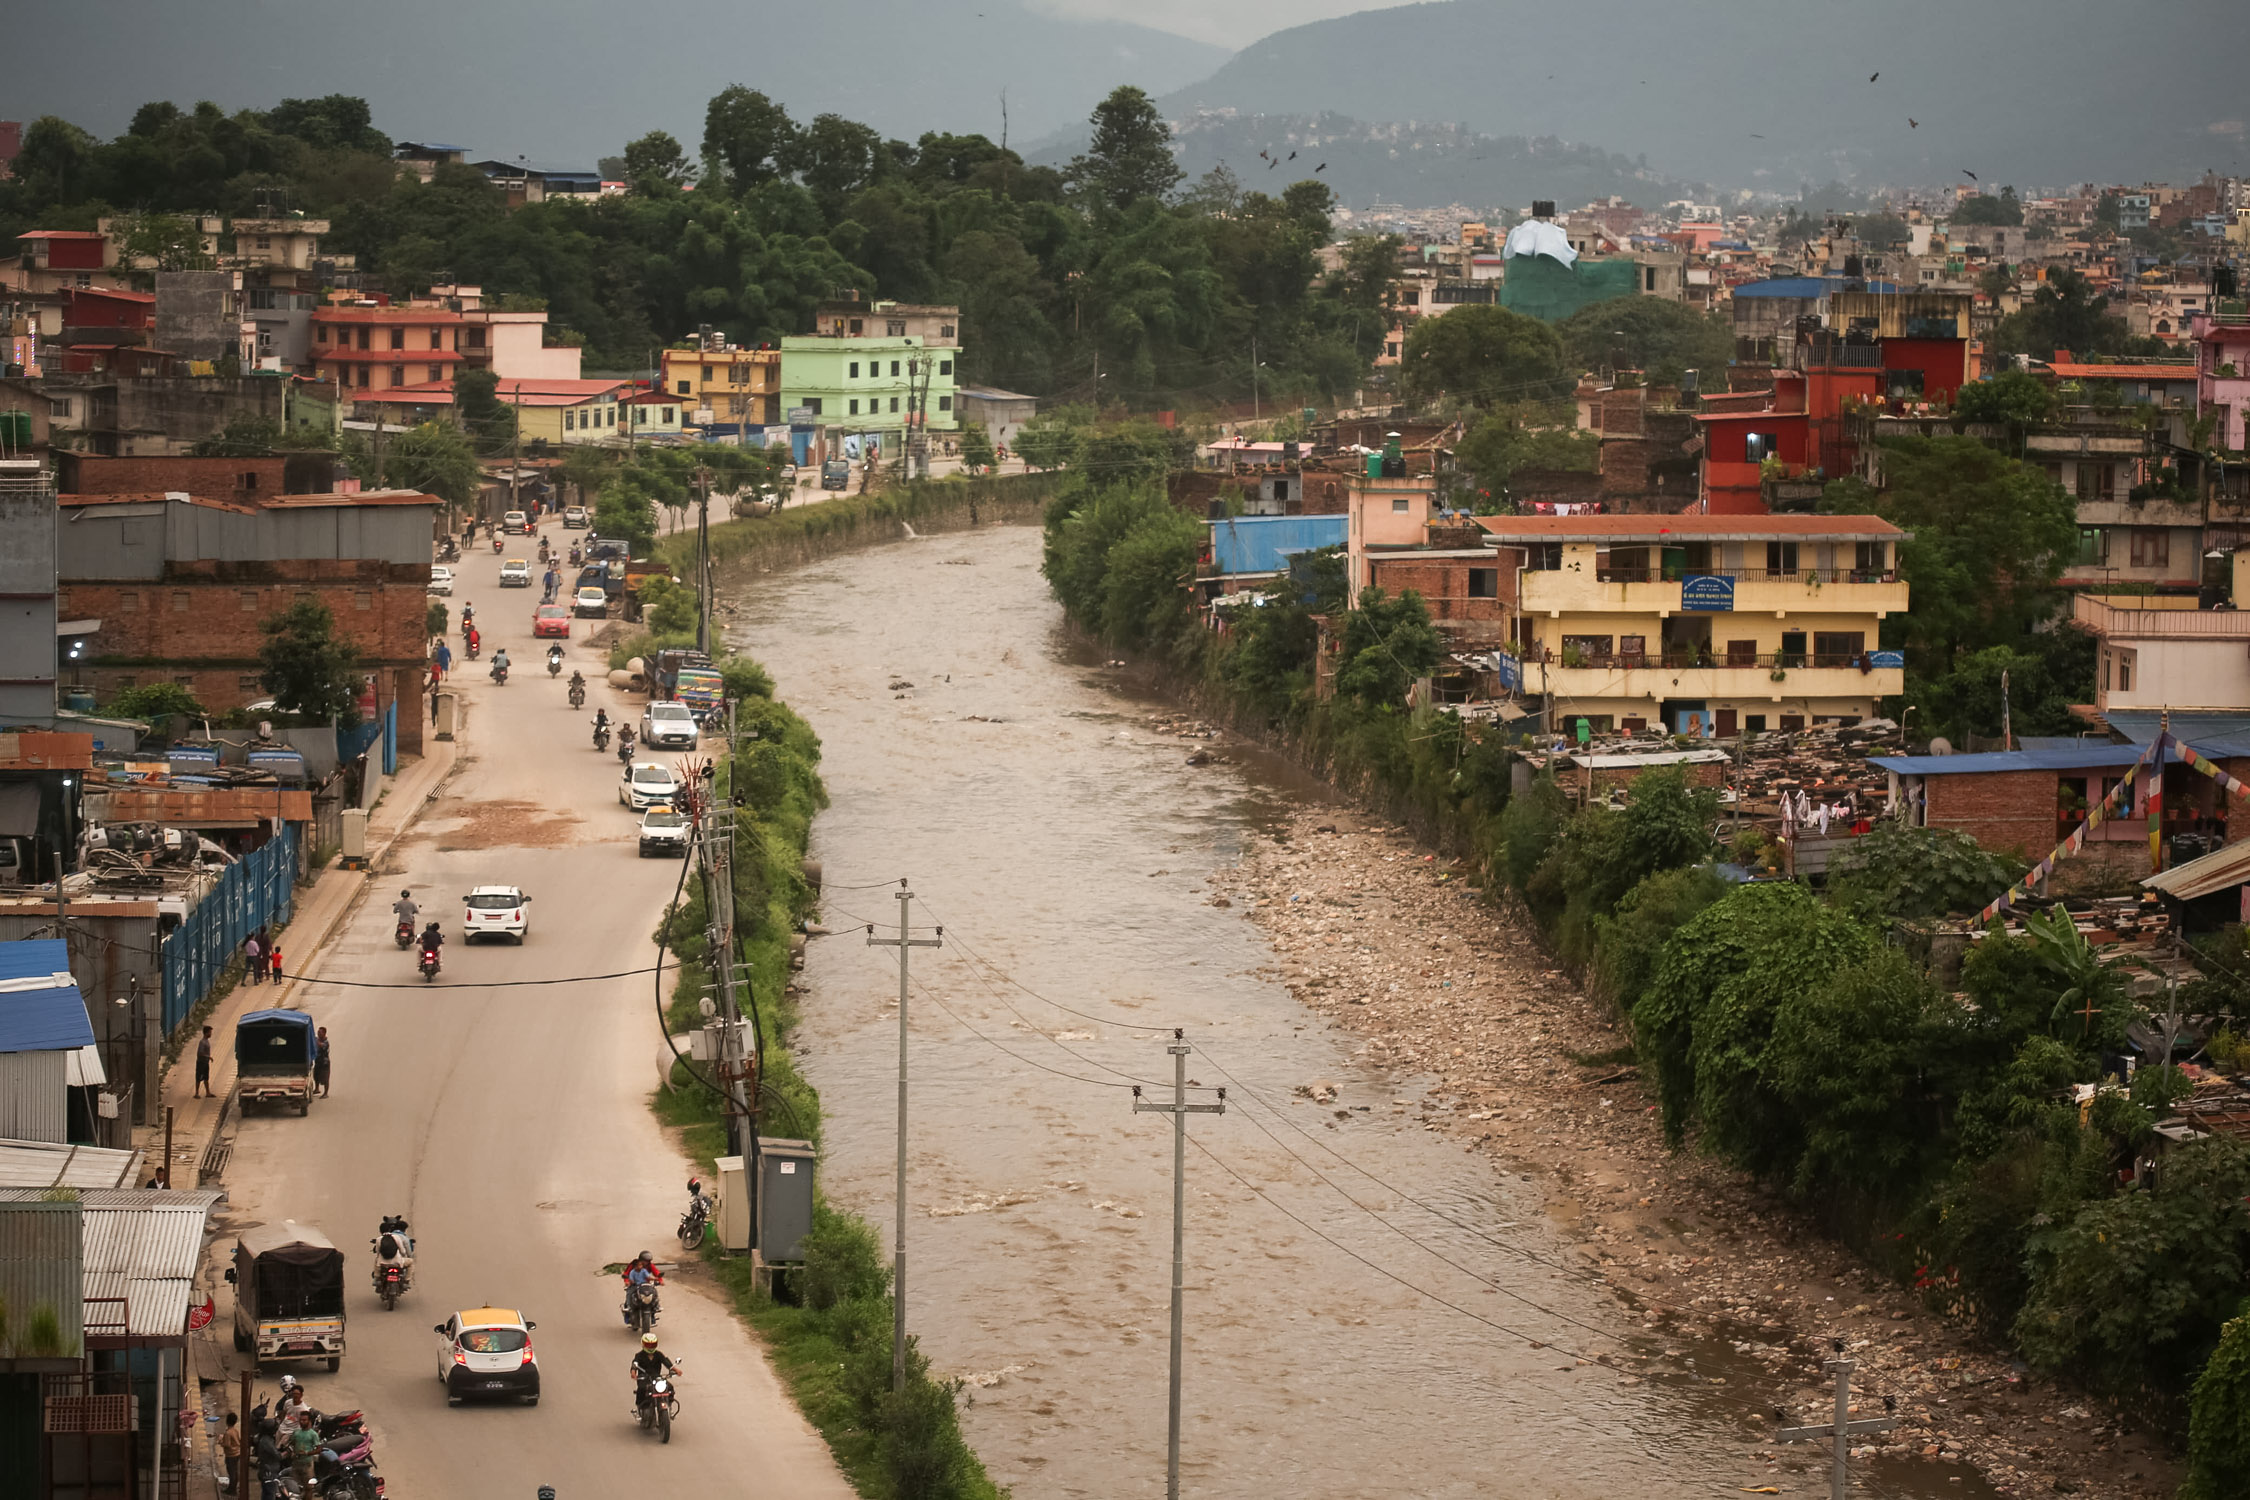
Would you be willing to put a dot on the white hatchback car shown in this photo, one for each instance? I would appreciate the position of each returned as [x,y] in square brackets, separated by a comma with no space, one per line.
[646,785]
[515,573]
[495,911]
[668,726]
[486,1351]
[441,581]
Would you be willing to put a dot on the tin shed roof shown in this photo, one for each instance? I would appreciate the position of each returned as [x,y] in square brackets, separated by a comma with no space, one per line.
[141,1246]
[40,1007]
[45,1164]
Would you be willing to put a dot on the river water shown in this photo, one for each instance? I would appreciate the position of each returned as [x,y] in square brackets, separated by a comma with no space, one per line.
[1065,848]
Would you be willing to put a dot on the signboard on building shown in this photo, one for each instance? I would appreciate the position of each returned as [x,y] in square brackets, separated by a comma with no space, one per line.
[287,765]
[1710,593]
[801,417]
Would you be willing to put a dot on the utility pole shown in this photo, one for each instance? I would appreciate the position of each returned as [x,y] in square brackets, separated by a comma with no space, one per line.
[515,454]
[1179,1109]
[1257,413]
[1843,1429]
[716,831]
[904,942]
[2007,731]
[703,559]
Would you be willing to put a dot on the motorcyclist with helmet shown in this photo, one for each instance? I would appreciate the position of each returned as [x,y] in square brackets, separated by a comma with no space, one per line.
[648,1365]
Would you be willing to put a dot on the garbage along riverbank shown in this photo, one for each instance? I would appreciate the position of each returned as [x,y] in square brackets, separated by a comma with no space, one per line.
[1396,945]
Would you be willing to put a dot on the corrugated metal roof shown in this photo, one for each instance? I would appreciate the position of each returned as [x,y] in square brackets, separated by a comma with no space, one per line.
[147,1253]
[2200,877]
[40,1007]
[44,1164]
[2140,725]
[2089,758]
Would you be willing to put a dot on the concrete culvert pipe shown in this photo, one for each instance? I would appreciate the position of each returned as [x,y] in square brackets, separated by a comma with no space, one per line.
[621,679]
[812,873]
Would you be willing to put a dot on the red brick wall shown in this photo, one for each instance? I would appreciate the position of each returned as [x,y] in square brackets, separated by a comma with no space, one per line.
[215,478]
[1443,583]
[2002,810]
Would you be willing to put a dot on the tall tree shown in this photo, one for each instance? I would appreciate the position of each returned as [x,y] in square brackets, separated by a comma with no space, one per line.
[747,136]
[655,164]
[307,667]
[1130,155]
[1482,355]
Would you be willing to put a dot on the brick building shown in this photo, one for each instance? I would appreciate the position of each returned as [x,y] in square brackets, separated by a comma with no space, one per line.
[179,588]
[248,479]
[377,347]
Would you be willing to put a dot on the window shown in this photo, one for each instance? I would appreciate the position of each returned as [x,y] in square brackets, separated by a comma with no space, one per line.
[1781,557]
[895,327]
[1754,723]
[398,338]
[1542,557]
[1742,653]
[1484,583]
[945,367]
[180,601]
[1904,385]
[570,421]
[129,603]
[683,388]
[1390,350]
[474,338]
[246,480]
[59,409]
[812,404]
[265,242]
[855,409]
[1792,723]
[669,415]
[2125,671]
[855,325]
[246,600]
[1792,648]
[364,334]
[362,599]
[1837,648]
[706,374]
[855,370]
[1757,447]
[2152,548]
[894,403]
[894,367]
[1648,278]
[737,374]
[945,331]
[437,338]
[249,683]
[1398,505]
[1867,557]
[437,374]
[2093,547]
[1630,645]
[398,375]
[945,403]
[366,376]
[320,334]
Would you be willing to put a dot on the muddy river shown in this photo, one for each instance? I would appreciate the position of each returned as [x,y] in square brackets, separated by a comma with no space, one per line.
[1065,846]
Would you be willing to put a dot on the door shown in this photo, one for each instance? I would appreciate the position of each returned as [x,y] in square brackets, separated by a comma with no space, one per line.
[1742,653]
[1724,720]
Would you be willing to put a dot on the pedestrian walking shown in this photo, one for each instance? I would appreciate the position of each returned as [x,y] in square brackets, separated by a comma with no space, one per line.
[444,656]
[433,707]
[320,1061]
[273,961]
[203,1065]
[253,959]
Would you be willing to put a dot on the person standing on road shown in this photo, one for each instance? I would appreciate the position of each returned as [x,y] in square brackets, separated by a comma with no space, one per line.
[203,1066]
[304,1445]
[273,961]
[253,959]
[320,1061]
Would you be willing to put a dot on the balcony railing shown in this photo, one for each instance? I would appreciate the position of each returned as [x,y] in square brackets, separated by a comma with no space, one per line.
[1872,661]
[1748,575]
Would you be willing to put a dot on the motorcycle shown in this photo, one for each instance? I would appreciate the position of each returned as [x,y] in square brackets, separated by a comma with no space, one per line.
[692,1222]
[476,646]
[601,736]
[429,964]
[500,673]
[450,552]
[394,1260]
[345,1470]
[624,752]
[405,933]
[641,1306]
[657,1404]
[578,695]
[554,662]
[496,540]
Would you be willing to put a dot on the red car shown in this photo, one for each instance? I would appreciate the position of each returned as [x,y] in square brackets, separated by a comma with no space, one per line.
[551,619]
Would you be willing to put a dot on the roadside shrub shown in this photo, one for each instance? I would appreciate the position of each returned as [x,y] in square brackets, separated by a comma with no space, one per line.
[153,700]
[2219,1419]
[1629,942]
[843,1261]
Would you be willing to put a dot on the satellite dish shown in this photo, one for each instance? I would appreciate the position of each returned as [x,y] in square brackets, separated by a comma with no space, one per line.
[1941,746]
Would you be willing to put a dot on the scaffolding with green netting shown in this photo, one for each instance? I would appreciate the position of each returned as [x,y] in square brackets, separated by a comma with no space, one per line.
[1542,287]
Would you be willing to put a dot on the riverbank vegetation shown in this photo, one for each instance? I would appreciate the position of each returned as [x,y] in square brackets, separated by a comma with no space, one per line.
[830,1332]
[1784,1030]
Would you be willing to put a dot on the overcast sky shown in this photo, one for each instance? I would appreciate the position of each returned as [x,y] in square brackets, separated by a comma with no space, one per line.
[1229,23]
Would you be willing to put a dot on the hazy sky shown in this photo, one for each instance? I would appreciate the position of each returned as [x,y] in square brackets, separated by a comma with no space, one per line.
[1229,23]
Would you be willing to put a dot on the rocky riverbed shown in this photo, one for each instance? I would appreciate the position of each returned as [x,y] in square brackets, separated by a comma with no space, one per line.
[1496,1047]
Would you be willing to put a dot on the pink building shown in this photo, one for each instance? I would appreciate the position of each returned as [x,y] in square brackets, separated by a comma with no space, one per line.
[2222,374]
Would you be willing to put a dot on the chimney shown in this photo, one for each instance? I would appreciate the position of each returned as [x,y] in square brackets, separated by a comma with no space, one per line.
[1542,208]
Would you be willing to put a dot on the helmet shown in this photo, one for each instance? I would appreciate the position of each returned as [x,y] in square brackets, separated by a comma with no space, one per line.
[648,1255]
[289,1383]
[648,1341]
[695,1184]
[406,895]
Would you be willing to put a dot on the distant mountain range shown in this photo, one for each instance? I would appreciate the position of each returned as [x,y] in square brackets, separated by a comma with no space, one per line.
[567,81]
[1775,93]
[1413,166]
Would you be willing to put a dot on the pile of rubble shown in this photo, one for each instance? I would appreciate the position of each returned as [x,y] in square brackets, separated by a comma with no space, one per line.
[1397,945]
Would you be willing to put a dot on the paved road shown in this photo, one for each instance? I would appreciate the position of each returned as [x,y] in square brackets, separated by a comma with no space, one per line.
[510,1125]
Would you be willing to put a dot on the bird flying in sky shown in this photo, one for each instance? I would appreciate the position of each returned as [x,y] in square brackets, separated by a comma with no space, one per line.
[1965,172]
[1874,75]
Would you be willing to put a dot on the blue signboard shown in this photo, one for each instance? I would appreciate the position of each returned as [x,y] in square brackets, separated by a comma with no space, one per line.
[1511,671]
[192,755]
[1887,659]
[286,765]
[1711,593]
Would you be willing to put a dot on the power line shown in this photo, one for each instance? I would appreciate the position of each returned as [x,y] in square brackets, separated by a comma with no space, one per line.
[1104,1083]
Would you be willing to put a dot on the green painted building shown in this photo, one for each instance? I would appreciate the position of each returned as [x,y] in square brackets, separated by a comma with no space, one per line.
[860,386]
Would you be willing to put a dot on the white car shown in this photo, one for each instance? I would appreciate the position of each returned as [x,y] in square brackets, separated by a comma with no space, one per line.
[495,911]
[664,830]
[590,603]
[515,573]
[515,521]
[486,1351]
[644,786]
[441,581]
[576,516]
[668,726]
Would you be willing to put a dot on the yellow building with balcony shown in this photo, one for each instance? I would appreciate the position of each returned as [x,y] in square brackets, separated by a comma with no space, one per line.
[1700,624]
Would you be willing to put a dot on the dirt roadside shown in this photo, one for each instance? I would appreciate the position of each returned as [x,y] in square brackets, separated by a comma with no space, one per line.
[1389,942]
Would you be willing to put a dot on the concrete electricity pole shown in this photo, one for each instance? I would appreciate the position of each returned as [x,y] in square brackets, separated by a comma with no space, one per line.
[904,943]
[703,559]
[716,829]
[1179,1109]
[1843,1429]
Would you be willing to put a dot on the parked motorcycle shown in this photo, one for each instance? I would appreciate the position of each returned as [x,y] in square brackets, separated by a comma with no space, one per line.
[698,1215]
[657,1404]
[346,1471]
[641,1306]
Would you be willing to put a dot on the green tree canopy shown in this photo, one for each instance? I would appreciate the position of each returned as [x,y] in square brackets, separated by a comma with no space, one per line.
[1130,155]
[307,666]
[1482,355]
[655,164]
[1983,208]
[1648,333]
[1388,643]
[435,458]
[1522,436]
